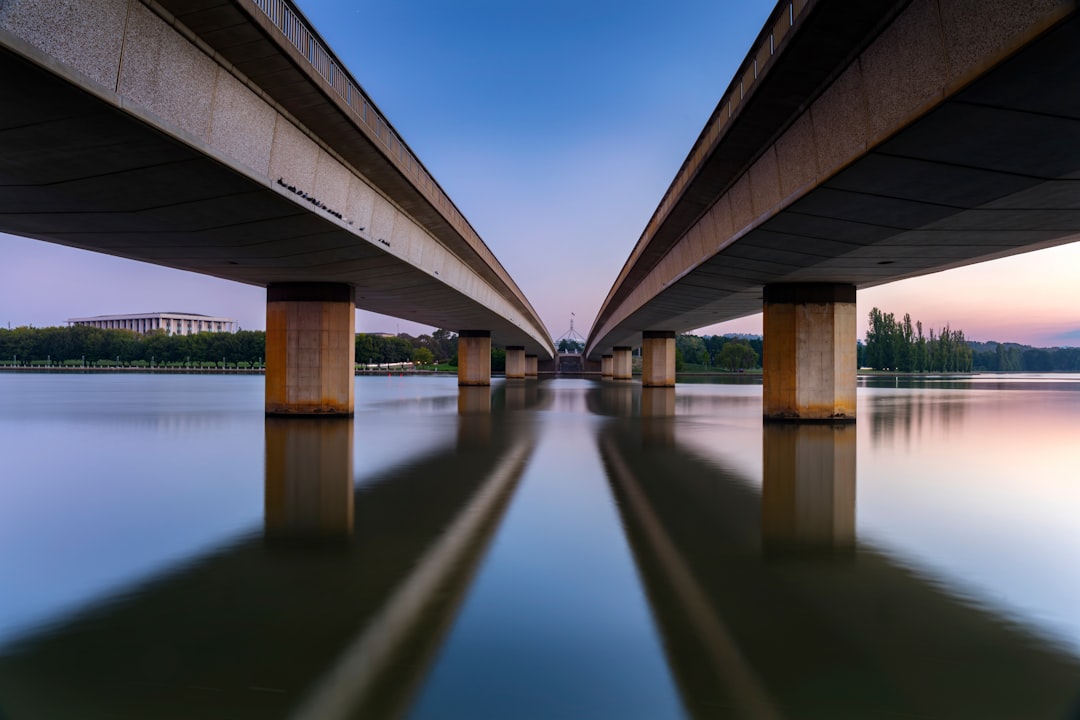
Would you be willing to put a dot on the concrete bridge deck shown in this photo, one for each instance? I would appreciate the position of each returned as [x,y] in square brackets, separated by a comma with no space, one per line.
[223,137]
[860,143]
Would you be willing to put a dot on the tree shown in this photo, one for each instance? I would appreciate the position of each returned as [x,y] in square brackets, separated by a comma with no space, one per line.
[566,345]
[423,356]
[737,355]
[693,349]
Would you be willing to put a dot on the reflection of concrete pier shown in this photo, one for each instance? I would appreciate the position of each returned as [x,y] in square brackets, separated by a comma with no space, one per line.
[309,478]
[846,634]
[808,493]
[284,628]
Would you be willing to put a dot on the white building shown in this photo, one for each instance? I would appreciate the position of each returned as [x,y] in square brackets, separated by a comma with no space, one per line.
[171,322]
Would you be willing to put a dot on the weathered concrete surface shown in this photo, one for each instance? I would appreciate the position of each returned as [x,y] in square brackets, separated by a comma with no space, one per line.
[515,362]
[195,136]
[810,365]
[621,363]
[474,358]
[310,349]
[532,366]
[606,366]
[658,359]
[879,141]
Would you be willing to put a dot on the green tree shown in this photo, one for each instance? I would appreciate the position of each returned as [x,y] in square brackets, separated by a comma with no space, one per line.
[423,356]
[737,355]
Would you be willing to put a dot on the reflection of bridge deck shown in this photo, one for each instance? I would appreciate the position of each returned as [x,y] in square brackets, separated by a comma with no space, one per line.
[840,634]
[327,623]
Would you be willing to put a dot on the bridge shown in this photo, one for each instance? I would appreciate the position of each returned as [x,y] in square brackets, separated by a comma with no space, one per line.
[858,144]
[224,137]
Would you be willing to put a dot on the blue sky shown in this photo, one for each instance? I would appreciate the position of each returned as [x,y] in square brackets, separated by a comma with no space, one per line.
[555,127]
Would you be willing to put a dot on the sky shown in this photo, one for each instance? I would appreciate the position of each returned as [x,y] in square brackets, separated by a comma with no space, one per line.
[555,126]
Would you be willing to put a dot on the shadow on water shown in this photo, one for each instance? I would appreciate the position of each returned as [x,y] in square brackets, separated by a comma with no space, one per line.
[334,610]
[769,608]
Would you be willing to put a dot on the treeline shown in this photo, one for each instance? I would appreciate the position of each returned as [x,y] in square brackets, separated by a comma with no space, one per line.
[994,357]
[440,346]
[902,346]
[717,351]
[82,345]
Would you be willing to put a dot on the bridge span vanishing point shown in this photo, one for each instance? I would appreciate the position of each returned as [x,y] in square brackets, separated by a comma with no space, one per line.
[224,137]
[858,144]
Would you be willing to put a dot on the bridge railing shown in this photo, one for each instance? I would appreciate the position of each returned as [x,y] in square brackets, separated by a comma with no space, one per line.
[787,16]
[293,27]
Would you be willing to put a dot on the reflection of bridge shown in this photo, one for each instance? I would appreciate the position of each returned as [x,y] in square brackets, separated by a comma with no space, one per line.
[769,608]
[859,143]
[335,611]
[224,138]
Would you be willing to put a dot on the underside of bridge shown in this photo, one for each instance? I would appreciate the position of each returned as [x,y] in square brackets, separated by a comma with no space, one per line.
[868,145]
[157,144]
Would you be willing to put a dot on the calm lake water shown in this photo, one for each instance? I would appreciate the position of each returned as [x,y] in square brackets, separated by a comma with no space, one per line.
[546,549]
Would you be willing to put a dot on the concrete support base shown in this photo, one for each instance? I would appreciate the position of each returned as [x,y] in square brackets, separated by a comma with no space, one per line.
[606,369]
[310,349]
[474,358]
[532,366]
[808,491]
[621,368]
[810,352]
[309,479]
[658,359]
[515,362]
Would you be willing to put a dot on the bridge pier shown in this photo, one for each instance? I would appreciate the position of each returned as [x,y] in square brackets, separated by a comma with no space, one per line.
[310,348]
[809,367]
[474,358]
[515,362]
[621,366]
[658,358]
[605,366]
[532,366]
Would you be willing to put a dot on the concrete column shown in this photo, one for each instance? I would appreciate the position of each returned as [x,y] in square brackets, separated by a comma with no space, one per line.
[309,479]
[621,367]
[605,366]
[810,352]
[532,365]
[808,489]
[474,357]
[310,349]
[658,358]
[515,362]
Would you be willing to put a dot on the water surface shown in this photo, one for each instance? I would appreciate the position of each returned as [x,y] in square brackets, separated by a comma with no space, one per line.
[560,548]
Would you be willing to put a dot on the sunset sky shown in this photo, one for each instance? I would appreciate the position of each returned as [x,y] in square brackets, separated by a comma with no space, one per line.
[556,127]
